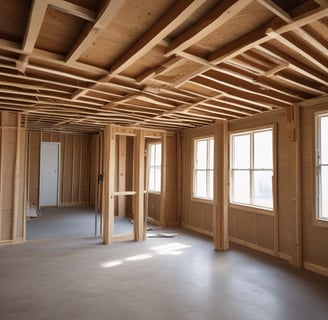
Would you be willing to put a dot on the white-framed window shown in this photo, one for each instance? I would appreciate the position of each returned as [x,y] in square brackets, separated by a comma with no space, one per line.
[203,168]
[322,166]
[251,168]
[155,167]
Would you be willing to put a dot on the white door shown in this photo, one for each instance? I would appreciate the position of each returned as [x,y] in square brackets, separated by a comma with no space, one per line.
[49,160]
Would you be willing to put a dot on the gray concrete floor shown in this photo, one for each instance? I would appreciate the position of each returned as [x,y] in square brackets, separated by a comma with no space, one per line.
[160,278]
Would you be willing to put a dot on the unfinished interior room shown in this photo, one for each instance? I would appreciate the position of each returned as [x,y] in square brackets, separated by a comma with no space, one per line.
[163,159]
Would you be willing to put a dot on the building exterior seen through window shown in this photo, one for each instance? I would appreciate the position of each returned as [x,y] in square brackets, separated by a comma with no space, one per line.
[322,166]
[251,168]
[204,168]
[155,167]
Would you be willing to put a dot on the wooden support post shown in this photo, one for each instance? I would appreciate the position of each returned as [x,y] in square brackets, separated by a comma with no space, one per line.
[162,216]
[108,184]
[1,169]
[73,169]
[121,174]
[17,182]
[221,186]
[139,223]
[179,177]
[297,259]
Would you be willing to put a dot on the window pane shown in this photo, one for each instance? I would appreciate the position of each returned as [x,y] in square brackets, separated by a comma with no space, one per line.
[152,155]
[211,185]
[158,158]
[241,151]
[151,182]
[324,193]
[200,183]
[324,140]
[263,189]
[201,154]
[240,187]
[157,179]
[211,153]
[263,150]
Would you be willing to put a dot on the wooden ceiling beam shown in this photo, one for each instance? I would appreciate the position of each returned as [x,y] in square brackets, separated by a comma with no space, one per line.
[310,56]
[260,35]
[37,13]
[73,9]
[180,11]
[237,94]
[294,64]
[91,31]
[215,18]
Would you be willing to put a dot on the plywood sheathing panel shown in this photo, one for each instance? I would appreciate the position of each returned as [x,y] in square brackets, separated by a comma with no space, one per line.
[315,235]
[12,178]
[74,167]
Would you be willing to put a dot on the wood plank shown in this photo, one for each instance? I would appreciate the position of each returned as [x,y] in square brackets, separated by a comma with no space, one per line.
[180,11]
[2,115]
[214,19]
[17,181]
[310,56]
[38,11]
[221,188]
[278,11]
[121,175]
[294,64]
[90,32]
[260,35]
[162,214]
[73,9]
[238,93]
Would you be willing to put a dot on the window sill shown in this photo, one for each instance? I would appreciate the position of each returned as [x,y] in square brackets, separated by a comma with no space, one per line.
[202,200]
[267,212]
[321,223]
[154,192]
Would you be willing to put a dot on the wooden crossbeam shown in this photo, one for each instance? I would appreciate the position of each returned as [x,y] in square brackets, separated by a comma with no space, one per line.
[38,10]
[215,18]
[73,9]
[310,56]
[180,11]
[90,32]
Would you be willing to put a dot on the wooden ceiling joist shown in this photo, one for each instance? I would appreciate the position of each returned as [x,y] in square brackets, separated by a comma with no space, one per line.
[194,64]
[215,18]
[180,11]
[73,9]
[104,18]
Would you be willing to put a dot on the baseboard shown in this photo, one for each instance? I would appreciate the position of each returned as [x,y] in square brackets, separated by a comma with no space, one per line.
[172,224]
[316,268]
[256,247]
[80,204]
[9,242]
[197,229]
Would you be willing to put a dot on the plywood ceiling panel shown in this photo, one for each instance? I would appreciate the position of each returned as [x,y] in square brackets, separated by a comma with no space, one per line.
[80,65]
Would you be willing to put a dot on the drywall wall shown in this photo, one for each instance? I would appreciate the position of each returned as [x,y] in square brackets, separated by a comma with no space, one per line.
[12,177]
[315,236]
[74,167]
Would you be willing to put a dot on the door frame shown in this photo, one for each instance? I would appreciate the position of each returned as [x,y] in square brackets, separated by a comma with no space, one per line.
[58,172]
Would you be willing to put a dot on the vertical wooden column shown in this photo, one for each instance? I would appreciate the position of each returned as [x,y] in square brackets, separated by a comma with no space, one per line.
[121,175]
[139,223]
[17,180]
[108,184]
[162,215]
[221,186]
[1,169]
[294,135]
[12,178]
